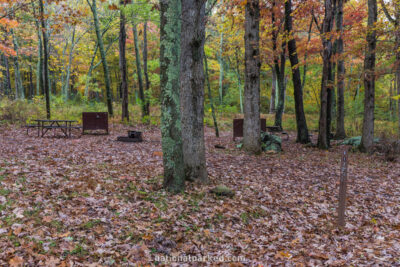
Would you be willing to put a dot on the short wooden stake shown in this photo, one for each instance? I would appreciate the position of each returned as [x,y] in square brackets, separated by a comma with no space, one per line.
[342,190]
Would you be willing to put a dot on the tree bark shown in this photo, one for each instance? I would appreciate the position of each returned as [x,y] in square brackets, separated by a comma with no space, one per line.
[145,67]
[122,66]
[251,125]
[302,130]
[45,60]
[210,96]
[367,140]
[170,36]
[139,72]
[324,117]
[340,129]
[192,89]
[103,57]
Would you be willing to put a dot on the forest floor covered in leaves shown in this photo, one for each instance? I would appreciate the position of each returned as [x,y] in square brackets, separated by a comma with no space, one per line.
[92,201]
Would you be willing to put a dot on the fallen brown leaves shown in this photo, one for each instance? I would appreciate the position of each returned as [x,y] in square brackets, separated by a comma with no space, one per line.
[93,201]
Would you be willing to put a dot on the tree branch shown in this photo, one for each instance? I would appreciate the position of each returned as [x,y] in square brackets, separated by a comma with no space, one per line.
[387,13]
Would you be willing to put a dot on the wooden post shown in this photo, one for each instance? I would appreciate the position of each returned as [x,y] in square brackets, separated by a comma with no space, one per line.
[342,190]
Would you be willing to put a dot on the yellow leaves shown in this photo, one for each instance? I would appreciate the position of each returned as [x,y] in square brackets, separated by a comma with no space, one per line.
[47,219]
[113,7]
[17,231]
[207,233]
[283,255]
[16,262]
[65,234]
[157,154]
[148,237]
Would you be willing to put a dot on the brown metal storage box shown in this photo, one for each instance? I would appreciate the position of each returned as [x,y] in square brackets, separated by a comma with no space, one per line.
[94,121]
[238,127]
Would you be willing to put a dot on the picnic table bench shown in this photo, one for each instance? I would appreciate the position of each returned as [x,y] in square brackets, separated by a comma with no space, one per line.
[43,126]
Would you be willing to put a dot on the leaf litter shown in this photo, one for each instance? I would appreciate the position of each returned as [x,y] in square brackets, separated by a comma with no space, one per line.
[92,201]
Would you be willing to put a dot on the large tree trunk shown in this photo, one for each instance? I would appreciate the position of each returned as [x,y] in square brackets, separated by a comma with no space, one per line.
[340,129]
[139,71]
[145,67]
[302,130]
[45,60]
[210,96]
[192,89]
[251,126]
[122,66]
[170,36]
[324,117]
[103,57]
[367,140]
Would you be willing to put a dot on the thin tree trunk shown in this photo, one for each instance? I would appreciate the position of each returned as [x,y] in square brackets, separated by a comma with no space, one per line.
[192,89]
[139,72]
[122,66]
[31,87]
[19,88]
[280,71]
[251,126]
[306,55]
[145,67]
[324,118]
[6,83]
[103,57]
[398,102]
[45,60]
[221,69]
[392,105]
[302,130]
[367,140]
[70,58]
[239,81]
[63,74]
[210,96]
[89,75]
[8,77]
[39,68]
[341,71]
[272,105]
[92,66]
[171,133]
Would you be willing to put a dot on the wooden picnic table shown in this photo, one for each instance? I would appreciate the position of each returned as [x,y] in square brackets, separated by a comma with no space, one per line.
[43,126]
